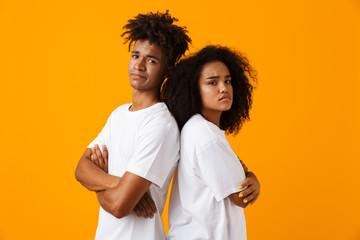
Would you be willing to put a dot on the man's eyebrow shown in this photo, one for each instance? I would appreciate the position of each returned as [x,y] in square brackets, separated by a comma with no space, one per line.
[152,56]
[148,55]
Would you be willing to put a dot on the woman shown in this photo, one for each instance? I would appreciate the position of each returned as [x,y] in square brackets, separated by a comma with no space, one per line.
[209,94]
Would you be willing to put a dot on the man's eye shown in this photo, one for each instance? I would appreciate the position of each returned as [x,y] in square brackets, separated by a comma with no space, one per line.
[134,56]
[151,61]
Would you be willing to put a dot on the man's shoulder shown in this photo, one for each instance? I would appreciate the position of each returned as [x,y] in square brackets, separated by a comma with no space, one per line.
[160,113]
[120,109]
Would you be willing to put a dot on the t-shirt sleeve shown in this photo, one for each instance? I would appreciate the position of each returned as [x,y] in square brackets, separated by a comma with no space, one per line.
[156,153]
[221,170]
[104,135]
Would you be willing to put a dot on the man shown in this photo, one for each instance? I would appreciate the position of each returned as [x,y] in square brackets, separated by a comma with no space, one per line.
[142,137]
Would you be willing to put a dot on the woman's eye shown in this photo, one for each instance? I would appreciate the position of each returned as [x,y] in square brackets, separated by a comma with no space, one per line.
[228,81]
[151,61]
[212,83]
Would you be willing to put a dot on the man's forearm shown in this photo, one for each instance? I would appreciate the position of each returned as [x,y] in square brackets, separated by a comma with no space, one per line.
[121,200]
[109,204]
[92,177]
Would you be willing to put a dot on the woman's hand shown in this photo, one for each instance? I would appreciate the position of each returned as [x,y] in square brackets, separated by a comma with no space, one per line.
[252,191]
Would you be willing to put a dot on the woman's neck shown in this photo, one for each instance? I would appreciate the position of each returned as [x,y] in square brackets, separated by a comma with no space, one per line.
[212,116]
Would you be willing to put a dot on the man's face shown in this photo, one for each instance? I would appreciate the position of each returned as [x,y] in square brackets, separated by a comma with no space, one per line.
[146,66]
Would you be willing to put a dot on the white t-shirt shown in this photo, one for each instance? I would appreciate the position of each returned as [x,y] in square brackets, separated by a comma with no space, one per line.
[208,172]
[146,143]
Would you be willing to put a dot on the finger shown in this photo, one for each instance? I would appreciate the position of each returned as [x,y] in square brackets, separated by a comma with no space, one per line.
[147,207]
[251,202]
[105,152]
[137,212]
[249,198]
[95,159]
[151,202]
[105,155]
[251,189]
[246,183]
[141,209]
[99,156]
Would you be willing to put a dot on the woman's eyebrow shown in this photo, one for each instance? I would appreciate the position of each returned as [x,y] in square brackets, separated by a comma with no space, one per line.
[217,77]
[213,77]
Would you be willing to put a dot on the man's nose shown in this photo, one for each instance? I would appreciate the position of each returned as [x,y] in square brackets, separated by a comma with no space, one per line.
[140,64]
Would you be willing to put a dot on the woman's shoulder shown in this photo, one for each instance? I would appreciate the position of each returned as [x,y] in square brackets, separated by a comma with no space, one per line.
[199,131]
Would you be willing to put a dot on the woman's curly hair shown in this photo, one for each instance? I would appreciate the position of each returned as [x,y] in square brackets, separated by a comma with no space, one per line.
[182,95]
[158,28]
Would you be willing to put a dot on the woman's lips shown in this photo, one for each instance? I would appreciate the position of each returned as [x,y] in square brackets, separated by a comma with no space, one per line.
[225,98]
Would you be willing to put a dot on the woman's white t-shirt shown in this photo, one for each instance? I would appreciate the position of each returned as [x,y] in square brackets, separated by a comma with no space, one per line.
[208,172]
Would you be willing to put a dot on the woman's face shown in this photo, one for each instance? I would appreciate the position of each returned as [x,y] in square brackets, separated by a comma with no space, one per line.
[215,88]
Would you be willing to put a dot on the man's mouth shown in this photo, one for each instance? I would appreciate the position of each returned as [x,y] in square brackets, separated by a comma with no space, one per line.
[137,76]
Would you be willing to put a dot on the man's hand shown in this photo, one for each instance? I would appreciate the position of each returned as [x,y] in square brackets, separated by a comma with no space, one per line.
[100,159]
[252,191]
[146,206]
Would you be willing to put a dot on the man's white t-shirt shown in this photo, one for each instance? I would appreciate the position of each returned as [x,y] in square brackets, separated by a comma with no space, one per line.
[146,143]
[207,174]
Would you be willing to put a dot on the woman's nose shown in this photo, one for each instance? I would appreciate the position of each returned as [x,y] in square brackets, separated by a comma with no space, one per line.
[223,88]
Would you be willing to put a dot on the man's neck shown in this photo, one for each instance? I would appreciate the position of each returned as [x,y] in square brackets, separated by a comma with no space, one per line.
[143,99]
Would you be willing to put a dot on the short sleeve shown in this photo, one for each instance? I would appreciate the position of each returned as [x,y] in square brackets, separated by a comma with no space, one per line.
[104,135]
[156,153]
[220,169]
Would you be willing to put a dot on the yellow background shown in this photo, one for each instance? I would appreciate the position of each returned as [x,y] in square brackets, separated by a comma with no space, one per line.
[63,69]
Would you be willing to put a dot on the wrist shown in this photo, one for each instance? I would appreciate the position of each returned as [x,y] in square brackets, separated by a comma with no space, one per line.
[114,181]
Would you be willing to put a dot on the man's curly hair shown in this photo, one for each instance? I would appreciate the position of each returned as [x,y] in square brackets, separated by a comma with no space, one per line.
[158,28]
[182,95]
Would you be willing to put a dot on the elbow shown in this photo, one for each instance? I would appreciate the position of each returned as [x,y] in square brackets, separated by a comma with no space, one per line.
[78,175]
[80,179]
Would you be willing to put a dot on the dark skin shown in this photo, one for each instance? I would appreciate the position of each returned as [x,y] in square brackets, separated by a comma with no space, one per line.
[146,206]
[105,185]
[216,93]
[120,196]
